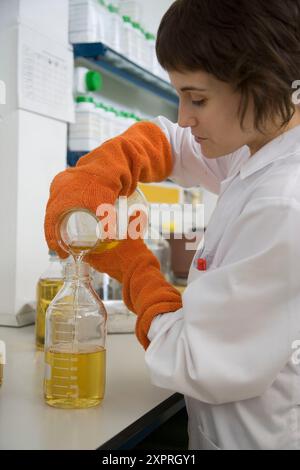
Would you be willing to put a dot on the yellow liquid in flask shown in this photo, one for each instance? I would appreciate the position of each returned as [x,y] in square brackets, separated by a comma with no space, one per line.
[75,379]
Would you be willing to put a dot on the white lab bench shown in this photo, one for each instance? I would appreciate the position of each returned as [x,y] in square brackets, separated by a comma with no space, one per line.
[131,409]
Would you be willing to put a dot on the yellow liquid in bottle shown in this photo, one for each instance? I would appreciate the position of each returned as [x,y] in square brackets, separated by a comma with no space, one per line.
[46,291]
[75,379]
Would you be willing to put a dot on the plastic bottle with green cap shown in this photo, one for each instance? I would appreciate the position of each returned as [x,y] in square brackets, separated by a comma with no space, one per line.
[120,123]
[114,26]
[101,21]
[83,21]
[142,48]
[112,116]
[84,132]
[136,40]
[126,34]
[151,54]
[103,124]
[86,80]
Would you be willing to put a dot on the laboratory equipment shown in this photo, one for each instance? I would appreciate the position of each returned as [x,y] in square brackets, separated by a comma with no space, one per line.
[79,231]
[48,286]
[75,354]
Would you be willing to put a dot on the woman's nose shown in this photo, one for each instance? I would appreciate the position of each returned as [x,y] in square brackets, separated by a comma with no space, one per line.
[185,119]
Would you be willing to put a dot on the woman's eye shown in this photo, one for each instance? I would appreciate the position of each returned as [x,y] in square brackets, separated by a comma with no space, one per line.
[198,102]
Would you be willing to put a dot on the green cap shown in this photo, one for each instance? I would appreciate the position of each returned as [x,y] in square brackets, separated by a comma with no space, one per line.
[93,80]
[112,110]
[150,36]
[84,99]
[113,8]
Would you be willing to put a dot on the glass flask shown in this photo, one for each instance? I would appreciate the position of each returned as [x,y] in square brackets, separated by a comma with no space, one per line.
[79,231]
[75,355]
[48,285]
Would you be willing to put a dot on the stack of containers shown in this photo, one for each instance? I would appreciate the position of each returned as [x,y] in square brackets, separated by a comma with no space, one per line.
[98,21]
[84,21]
[95,121]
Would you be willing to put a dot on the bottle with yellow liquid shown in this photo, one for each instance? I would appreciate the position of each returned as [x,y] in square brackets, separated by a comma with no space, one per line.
[80,231]
[48,286]
[75,363]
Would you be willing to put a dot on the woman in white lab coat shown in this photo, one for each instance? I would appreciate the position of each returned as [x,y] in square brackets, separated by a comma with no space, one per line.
[232,345]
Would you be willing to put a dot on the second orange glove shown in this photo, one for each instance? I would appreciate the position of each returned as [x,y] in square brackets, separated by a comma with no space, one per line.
[145,290]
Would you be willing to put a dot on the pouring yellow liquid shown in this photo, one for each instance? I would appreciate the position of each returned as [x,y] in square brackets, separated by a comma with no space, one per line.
[78,248]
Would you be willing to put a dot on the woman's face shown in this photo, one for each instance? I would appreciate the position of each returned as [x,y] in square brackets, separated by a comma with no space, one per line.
[210,108]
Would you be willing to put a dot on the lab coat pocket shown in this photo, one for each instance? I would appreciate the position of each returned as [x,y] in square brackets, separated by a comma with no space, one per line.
[204,443]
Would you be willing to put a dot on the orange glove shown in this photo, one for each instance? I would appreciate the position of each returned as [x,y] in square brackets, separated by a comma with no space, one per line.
[145,290]
[142,153]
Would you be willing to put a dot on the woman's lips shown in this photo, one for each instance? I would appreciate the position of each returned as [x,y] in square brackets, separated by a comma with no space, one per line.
[199,139]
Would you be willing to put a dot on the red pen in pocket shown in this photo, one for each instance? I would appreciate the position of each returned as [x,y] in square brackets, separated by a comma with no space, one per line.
[201,264]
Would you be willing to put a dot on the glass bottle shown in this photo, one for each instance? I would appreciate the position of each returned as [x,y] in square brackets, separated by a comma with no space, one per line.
[80,232]
[48,285]
[75,355]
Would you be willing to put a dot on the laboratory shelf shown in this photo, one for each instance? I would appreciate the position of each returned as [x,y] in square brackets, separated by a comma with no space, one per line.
[73,157]
[124,69]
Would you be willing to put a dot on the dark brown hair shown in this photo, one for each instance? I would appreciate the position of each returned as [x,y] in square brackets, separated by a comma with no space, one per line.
[252,44]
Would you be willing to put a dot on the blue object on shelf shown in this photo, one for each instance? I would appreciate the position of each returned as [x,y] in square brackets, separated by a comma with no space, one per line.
[73,157]
[125,69]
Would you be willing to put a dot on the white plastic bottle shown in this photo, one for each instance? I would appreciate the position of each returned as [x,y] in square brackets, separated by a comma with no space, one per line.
[153,62]
[114,25]
[136,41]
[149,52]
[102,20]
[141,47]
[130,8]
[84,133]
[83,23]
[103,126]
[132,42]
[120,123]
[126,37]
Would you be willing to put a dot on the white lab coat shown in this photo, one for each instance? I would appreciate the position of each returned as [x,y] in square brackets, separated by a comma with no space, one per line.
[229,350]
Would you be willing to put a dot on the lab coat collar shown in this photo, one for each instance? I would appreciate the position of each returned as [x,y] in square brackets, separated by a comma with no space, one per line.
[282,146]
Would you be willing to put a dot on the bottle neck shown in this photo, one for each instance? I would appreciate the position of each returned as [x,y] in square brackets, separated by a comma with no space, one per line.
[77,273]
[78,280]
